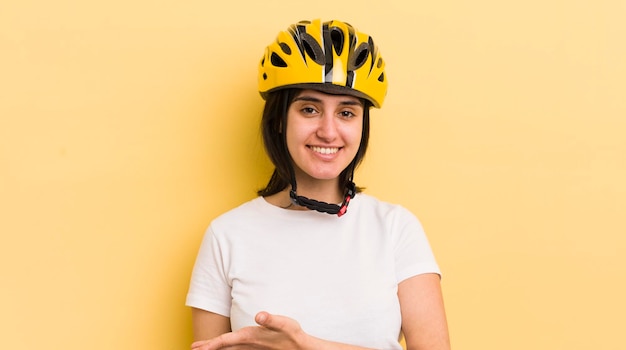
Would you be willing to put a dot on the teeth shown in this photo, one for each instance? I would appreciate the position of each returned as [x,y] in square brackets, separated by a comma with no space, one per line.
[325,150]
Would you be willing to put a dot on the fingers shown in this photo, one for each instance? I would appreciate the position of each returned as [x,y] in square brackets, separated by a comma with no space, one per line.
[229,340]
[208,344]
[276,322]
[198,344]
[262,318]
[273,329]
[221,342]
[271,322]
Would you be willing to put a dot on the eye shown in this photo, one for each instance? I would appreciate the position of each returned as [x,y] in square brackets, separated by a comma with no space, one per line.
[347,114]
[308,110]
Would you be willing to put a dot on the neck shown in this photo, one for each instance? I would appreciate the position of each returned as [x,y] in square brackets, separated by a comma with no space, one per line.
[321,190]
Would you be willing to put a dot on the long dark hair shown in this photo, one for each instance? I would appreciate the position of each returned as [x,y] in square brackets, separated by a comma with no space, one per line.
[273,130]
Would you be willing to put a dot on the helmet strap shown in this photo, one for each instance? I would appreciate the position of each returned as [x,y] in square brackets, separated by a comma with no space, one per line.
[323,207]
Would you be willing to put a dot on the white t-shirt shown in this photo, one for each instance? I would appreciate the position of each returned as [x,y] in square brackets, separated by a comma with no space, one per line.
[336,276]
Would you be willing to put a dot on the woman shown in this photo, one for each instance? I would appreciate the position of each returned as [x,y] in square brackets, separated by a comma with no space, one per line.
[278,272]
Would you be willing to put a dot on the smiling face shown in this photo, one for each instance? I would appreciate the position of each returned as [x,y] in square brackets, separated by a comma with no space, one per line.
[323,134]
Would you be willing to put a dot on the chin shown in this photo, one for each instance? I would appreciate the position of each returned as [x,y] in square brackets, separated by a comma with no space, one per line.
[323,176]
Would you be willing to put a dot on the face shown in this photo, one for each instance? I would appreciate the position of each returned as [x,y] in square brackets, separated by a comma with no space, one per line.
[323,133]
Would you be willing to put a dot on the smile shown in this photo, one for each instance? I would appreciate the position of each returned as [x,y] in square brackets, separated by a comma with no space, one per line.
[325,150]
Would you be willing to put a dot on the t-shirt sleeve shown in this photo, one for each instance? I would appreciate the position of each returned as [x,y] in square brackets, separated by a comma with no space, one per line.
[209,288]
[413,254]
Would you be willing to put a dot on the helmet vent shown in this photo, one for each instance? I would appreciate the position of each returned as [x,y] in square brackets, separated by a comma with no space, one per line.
[359,56]
[381,77]
[379,63]
[286,49]
[277,61]
[312,48]
[336,36]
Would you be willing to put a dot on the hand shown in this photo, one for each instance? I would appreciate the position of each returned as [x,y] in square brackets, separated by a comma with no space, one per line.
[273,333]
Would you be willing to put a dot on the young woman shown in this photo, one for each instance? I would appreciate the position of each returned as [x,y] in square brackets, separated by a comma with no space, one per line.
[279,272]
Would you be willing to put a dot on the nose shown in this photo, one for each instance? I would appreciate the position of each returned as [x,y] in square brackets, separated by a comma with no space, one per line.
[327,128]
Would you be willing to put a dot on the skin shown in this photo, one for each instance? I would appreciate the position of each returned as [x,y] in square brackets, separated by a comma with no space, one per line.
[317,124]
[323,136]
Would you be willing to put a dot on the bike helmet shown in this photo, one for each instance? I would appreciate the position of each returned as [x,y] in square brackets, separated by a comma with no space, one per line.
[331,56]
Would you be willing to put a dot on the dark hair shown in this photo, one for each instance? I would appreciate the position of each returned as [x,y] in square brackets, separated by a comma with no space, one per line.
[273,130]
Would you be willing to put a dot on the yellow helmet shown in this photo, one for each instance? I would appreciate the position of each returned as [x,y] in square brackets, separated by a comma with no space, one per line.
[330,56]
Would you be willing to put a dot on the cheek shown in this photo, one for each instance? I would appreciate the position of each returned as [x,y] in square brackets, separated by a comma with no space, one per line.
[290,137]
[354,134]
[295,137]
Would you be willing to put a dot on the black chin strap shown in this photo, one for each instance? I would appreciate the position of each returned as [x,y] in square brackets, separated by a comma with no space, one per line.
[324,207]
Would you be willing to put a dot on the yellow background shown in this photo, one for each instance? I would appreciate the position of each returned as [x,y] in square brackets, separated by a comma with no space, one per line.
[126,126]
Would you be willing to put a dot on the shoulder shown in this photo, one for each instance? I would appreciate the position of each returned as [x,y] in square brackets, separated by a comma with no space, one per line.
[242,209]
[257,216]
[242,214]
[391,219]
[369,206]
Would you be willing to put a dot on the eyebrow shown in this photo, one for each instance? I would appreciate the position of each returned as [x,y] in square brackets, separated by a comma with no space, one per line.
[350,102]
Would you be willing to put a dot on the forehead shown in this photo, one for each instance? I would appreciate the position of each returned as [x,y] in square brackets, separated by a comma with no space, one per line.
[316,95]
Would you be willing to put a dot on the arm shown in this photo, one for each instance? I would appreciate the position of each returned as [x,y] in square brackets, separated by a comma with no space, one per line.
[208,325]
[423,316]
